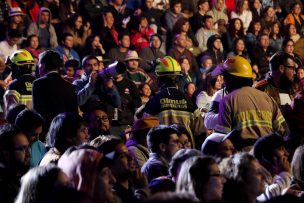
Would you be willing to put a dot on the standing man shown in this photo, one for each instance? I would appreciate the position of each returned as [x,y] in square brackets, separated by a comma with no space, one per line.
[51,93]
[252,112]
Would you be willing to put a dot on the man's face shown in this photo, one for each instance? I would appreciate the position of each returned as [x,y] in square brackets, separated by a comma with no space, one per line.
[99,121]
[208,23]
[132,64]
[264,41]
[155,41]
[125,41]
[21,151]
[12,41]
[103,187]
[173,145]
[123,162]
[45,17]
[181,41]
[289,70]
[177,8]
[90,65]
[149,3]
[69,42]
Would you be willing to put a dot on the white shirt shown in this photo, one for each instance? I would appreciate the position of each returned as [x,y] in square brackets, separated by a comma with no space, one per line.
[6,49]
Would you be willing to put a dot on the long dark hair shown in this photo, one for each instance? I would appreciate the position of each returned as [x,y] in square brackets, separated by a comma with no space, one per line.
[231,28]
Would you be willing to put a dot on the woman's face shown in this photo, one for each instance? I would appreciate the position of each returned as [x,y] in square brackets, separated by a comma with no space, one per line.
[255,179]
[240,46]
[185,27]
[300,73]
[214,187]
[276,29]
[256,4]
[78,23]
[289,48]
[95,42]
[144,22]
[296,9]
[146,90]
[82,135]
[292,30]
[34,42]
[257,27]
[245,5]
[17,19]
[237,25]
[218,83]
[191,89]
[185,65]
[184,142]
[270,12]
[109,19]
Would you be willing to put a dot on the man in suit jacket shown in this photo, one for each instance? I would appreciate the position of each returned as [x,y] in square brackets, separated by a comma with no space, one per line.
[51,93]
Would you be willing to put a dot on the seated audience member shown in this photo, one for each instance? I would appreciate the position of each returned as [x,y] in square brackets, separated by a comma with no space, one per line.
[120,52]
[33,47]
[38,182]
[140,36]
[163,143]
[131,185]
[70,68]
[183,135]
[88,171]
[161,184]
[31,124]
[172,197]
[271,153]
[65,49]
[13,112]
[9,45]
[15,158]
[98,122]
[134,72]
[66,130]
[297,169]
[245,180]
[201,177]
[178,159]
[214,49]
[151,53]
[216,145]
[93,46]
[44,29]
[137,143]
[93,90]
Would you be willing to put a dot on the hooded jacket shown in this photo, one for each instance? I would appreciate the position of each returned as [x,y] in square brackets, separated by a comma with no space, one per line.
[35,29]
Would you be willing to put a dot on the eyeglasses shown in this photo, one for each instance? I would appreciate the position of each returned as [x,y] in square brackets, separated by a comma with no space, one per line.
[174,142]
[103,118]
[23,148]
[293,67]
[185,144]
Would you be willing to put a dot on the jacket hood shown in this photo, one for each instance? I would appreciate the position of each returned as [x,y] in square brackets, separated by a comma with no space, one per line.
[43,9]
[211,40]
[81,167]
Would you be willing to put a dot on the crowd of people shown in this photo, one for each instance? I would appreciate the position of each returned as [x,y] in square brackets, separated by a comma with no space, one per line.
[114,101]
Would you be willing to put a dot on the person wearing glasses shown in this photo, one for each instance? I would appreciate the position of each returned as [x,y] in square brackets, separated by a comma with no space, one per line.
[98,122]
[279,83]
[15,155]
[201,177]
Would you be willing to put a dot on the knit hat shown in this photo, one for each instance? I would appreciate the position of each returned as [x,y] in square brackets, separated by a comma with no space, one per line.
[15,11]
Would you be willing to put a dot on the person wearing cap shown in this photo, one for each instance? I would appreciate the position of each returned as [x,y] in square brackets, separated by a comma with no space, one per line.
[279,83]
[17,20]
[170,104]
[214,49]
[218,145]
[151,53]
[134,72]
[250,111]
[19,90]
[271,153]
[179,48]
[137,143]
